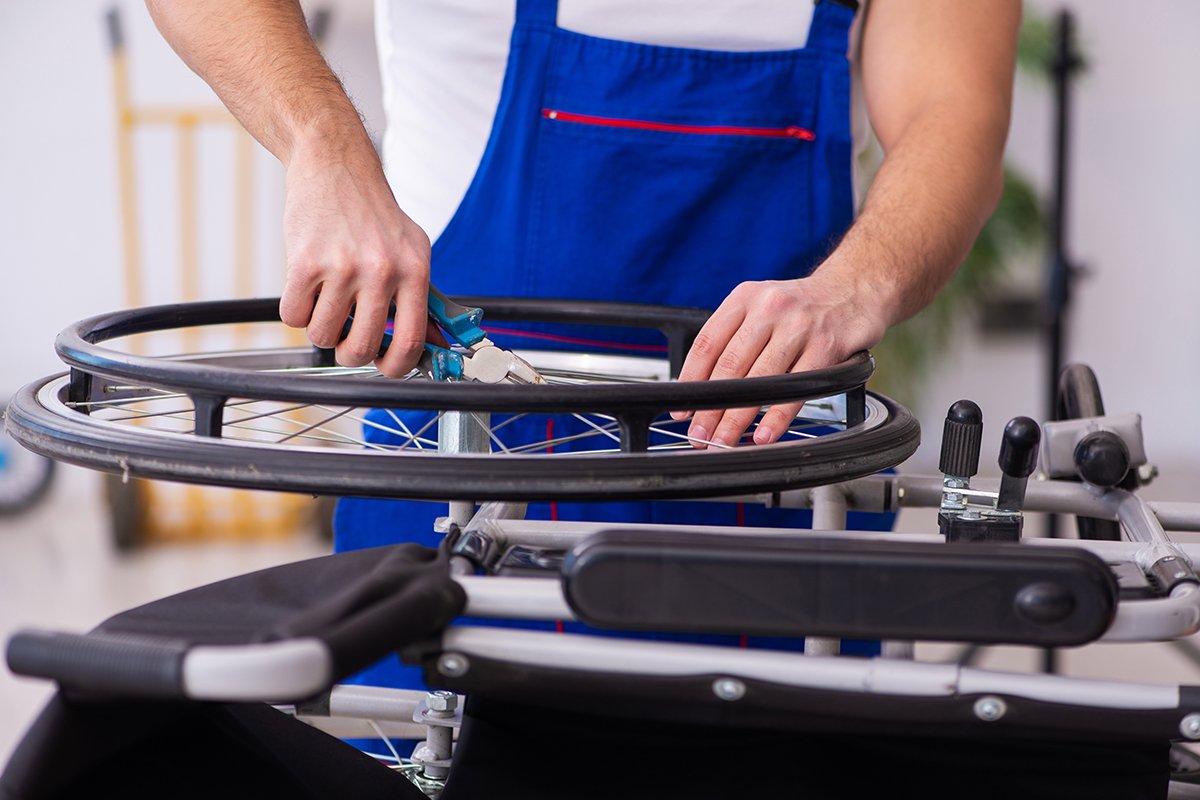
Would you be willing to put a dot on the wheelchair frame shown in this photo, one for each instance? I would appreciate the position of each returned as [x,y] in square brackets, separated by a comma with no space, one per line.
[888,688]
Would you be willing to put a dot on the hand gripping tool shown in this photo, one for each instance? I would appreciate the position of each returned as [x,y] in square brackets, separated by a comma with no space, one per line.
[479,358]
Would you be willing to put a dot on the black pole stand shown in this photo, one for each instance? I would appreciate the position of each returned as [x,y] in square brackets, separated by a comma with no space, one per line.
[1062,272]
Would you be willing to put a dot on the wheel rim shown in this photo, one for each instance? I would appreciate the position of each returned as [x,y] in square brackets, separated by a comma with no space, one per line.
[126,393]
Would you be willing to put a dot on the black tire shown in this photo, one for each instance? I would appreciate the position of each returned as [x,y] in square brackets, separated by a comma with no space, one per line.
[1079,393]
[1079,397]
[428,475]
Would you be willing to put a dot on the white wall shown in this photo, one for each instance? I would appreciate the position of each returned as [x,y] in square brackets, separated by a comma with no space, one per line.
[59,211]
[1133,223]
[61,261]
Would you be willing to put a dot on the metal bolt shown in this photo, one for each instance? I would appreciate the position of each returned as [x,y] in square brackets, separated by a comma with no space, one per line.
[990,709]
[729,688]
[441,701]
[1190,726]
[453,665]
[953,500]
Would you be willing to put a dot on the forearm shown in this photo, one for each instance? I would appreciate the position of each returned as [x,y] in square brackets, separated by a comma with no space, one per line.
[939,182]
[937,79]
[261,61]
[348,245]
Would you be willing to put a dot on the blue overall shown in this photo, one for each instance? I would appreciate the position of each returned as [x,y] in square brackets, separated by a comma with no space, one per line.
[632,172]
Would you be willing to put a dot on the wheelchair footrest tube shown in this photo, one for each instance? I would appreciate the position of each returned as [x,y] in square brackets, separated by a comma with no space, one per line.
[973,592]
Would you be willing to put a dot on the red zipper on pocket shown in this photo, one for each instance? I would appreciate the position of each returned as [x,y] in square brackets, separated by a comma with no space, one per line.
[790,132]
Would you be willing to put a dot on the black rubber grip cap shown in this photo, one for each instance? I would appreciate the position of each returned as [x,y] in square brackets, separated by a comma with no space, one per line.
[1102,459]
[1019,447]
[106,664]
[960,439]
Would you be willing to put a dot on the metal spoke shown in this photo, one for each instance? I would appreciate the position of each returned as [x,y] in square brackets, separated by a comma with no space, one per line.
[182,414]
[142,414]
[548,443]
[127,400]
[395,418]
[424,428]
[574,376]
[664,432]
[606,450]
[261,415]
[593,425]
[692,439]
[175,412]
[510,420]
[186,415]
[413,438]
[316,425]
[140,388]
[333,437]
[671,435]
[491,433]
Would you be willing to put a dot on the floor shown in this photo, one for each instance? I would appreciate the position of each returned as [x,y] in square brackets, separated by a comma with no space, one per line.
[60,570]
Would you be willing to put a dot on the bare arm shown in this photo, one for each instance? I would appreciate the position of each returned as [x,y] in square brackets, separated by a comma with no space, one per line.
[347,242]
[938,82]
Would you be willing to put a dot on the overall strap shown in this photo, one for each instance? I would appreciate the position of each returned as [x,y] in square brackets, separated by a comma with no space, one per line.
[830,28]
[537,12]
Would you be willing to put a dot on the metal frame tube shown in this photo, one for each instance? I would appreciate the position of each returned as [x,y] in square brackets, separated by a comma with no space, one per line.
[829,513]
[1136,620]
[273,671]
[514,598]
[375,702]
[868,676]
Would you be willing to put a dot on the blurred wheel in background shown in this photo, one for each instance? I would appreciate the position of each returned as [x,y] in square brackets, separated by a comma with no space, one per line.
[25,477]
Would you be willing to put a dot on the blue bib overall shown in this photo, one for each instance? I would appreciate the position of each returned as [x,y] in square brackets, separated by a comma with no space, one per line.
[631,172]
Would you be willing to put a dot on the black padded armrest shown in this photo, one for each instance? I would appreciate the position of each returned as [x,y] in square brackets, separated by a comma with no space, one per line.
[972,592]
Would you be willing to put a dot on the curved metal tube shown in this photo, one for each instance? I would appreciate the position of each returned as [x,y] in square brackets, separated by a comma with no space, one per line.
[1155,620]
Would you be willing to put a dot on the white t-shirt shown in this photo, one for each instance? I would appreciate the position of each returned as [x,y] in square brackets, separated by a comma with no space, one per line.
[442,63]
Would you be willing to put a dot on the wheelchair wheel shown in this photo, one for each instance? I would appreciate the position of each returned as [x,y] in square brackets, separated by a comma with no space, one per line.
[1078,397]
[289,419]
[24,477]
[1079,393]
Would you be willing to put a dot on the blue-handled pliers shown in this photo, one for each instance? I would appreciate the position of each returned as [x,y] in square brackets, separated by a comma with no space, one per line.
[481,360]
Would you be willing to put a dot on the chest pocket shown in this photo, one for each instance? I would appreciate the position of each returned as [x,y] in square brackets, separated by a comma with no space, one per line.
[670,174]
